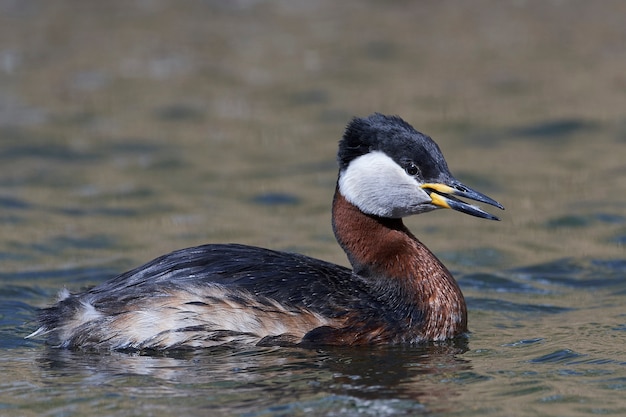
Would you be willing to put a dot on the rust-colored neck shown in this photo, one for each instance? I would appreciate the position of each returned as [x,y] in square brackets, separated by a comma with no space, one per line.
[388,255]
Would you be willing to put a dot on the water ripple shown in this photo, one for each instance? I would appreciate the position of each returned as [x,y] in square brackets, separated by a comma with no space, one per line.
[526,342]
[574,273]
[554,129]
[490,282]
[12,203]
[560,356]
[489,304]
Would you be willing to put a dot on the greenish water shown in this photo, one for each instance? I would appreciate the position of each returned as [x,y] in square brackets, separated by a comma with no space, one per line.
[130,129]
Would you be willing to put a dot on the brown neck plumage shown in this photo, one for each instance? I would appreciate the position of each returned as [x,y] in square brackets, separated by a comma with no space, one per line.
[385,251]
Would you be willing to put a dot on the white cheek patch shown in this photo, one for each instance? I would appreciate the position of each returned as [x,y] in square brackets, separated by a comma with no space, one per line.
[377,185]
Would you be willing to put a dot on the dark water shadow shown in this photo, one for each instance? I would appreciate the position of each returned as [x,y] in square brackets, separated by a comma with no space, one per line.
[555,130]
[550,277]
[574,273]
[489,291]
[549,132]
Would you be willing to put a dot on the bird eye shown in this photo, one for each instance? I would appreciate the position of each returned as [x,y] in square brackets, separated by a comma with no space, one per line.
[412,169]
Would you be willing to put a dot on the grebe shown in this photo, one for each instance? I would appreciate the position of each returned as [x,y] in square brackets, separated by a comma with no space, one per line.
[397,291]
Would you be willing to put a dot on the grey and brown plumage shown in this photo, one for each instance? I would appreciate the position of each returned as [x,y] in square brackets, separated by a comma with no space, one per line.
[397,291]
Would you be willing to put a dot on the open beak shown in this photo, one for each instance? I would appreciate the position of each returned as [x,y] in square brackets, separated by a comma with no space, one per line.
[442,196]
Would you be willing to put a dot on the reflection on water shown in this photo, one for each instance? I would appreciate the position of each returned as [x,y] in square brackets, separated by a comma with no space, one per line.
[130,129]
[254,381]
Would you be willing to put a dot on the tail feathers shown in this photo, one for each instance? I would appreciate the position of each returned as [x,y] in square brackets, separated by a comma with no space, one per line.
[42,331]
[49,319]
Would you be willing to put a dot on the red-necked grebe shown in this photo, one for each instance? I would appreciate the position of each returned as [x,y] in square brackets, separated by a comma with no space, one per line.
[397,292]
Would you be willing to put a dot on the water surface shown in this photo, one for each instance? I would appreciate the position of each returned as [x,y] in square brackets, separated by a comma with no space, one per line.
[130,129]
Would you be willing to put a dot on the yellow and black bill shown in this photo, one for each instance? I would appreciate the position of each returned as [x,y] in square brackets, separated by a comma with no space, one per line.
[442,196]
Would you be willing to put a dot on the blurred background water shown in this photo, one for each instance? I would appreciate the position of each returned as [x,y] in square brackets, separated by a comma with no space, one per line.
[132,128]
